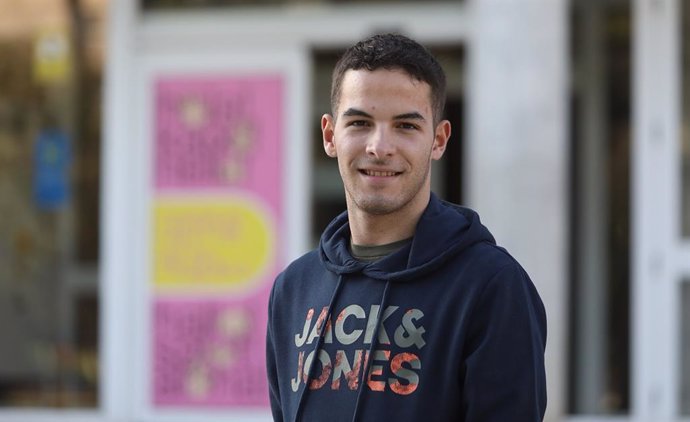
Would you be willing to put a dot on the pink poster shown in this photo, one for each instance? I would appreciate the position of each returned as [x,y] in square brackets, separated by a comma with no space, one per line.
[219,132]
[210,353]
[216,226]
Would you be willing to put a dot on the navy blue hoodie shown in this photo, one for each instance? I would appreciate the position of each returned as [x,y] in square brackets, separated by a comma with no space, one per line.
[448,328]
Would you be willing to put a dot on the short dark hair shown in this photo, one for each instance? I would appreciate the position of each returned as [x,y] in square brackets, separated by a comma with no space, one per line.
[393,51]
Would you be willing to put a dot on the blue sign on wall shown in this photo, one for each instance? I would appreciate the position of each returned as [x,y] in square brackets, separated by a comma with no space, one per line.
[52,158]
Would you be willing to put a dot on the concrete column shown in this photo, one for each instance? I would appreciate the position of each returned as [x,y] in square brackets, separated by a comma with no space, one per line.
[517,152]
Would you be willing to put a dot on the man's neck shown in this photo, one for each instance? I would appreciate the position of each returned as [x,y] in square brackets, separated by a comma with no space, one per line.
[371,229]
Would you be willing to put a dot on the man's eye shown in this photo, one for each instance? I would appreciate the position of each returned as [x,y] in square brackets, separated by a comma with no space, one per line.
[404,125]
[358,123]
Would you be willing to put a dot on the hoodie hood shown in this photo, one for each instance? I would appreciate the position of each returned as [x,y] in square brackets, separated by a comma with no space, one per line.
[443,231]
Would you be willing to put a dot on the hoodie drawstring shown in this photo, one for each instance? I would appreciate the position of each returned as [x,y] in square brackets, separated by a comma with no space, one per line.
[374,341]
[319,342]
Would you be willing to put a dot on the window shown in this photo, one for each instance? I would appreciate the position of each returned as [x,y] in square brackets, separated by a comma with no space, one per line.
[600,276]
[685,348]
[685,118]
[200,4]
[685,139]
[50,70]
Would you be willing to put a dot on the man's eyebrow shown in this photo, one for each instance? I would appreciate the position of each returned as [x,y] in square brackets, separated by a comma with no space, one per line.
[350,112]
[355,112]
[409,116]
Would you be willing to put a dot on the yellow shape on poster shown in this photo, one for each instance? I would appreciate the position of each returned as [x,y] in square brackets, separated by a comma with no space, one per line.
[224,243]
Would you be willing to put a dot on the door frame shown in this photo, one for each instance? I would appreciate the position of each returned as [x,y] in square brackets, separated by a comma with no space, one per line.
[660,254]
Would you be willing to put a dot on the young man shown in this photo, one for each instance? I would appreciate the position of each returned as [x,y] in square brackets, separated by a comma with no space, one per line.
[408,310]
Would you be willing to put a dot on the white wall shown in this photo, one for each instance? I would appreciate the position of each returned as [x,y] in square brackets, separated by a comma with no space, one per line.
[517,157]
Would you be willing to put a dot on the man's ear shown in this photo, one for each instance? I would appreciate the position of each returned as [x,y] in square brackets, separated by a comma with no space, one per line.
[441,136]
[328,132]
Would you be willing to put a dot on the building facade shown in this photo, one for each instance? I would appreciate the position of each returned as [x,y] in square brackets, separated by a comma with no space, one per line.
[571,139]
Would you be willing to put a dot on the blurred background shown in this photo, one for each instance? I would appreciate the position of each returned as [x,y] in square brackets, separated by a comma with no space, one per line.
[131,132]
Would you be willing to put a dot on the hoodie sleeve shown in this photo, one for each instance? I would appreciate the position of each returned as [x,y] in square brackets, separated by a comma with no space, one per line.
[272,366]
[503,375]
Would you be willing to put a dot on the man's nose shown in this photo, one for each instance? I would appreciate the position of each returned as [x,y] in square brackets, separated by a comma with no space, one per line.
[380,144]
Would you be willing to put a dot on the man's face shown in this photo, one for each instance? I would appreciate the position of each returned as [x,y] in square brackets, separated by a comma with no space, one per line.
[384,139]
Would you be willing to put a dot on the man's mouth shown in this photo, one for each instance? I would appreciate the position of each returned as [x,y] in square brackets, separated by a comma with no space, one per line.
[379,173]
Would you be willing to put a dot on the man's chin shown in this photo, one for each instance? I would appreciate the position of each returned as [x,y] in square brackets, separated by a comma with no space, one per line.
[378,206]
